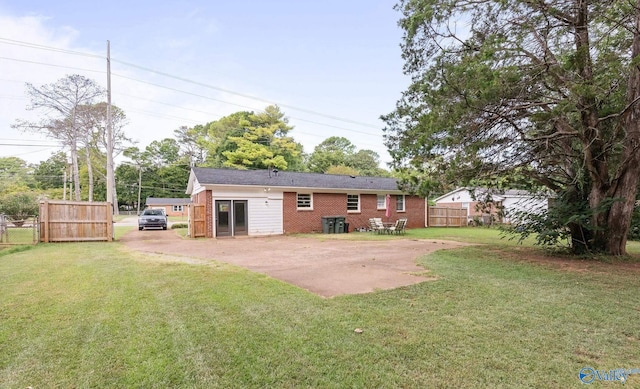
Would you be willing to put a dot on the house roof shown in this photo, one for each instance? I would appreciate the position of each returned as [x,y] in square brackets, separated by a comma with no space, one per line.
[288,179]
[167,201]
[498,195]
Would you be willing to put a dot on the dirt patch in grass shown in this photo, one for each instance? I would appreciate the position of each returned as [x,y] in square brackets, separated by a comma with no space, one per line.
[573,264]
[327,267]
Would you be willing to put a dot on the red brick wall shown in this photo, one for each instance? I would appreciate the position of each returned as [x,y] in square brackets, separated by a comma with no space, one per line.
[168,209]
[335,204]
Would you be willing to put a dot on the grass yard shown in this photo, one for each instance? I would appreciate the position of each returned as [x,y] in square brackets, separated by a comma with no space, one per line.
[98,315]
[21,235]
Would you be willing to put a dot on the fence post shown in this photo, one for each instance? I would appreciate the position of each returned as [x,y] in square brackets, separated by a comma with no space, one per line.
[44,215]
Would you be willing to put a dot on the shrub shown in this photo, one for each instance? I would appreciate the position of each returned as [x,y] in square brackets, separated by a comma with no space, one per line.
[179,225]
[19,206]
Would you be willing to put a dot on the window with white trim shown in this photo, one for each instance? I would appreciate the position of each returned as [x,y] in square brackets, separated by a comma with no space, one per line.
[304,201]
[353,203]
[176,208]
[400,203]
[382,201]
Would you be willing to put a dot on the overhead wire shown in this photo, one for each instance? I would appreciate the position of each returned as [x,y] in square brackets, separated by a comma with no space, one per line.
[186,80]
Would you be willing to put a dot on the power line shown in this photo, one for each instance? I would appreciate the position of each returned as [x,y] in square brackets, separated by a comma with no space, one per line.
[48,48]
[240,105]
[301,109]
[26,145]
[28,140]
[51,65]
[193,94]
[245,95]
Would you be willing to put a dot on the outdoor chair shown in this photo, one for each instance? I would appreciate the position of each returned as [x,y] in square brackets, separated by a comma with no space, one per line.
[376,225]
[399,227]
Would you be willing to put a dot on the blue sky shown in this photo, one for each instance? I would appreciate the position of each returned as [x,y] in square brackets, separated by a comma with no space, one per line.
[333,66]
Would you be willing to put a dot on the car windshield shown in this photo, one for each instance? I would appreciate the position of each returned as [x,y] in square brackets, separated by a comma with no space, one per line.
[155,212]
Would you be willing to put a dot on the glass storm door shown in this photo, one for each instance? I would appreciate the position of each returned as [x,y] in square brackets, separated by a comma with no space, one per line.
[240,217]
[223,213]
[231,217]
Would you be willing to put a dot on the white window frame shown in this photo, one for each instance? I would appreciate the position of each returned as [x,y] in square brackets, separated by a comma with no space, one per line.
[381,205]
[177,208]
[310,207]
[357,197]
[401,200]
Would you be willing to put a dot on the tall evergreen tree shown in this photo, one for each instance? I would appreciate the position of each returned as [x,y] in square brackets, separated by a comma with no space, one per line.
[545,91]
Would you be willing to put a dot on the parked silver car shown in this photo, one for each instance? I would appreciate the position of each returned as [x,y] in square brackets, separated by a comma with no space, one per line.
[152,218]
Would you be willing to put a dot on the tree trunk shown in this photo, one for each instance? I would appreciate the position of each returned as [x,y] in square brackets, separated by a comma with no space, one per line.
[621,211]
[627,182]
[89,170]
[76,172]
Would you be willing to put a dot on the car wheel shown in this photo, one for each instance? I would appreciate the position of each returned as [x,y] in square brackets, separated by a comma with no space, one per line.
[164,227]
[140,228]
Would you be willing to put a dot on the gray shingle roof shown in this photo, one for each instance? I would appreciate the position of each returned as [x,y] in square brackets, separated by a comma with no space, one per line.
[208,176]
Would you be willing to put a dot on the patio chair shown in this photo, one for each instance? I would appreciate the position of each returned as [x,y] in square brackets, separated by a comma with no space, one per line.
[399,227]
[376,225]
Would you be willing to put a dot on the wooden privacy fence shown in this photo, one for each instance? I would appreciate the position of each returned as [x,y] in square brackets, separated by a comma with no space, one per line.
[75,221]
[197,221]
[446,217]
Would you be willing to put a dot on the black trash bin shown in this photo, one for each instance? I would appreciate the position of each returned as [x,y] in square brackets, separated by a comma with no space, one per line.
[325,225]
[331,223]
[339,226]
[346,227]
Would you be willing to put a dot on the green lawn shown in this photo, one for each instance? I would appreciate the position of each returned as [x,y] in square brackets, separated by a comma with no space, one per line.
[99,315]
[22,235]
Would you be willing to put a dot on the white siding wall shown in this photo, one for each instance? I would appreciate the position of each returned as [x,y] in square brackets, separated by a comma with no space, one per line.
[264,208]
[197,188]
[513,205]
[265,216]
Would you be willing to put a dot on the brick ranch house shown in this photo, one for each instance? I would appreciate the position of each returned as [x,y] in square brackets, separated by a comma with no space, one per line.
[171,206]
[264,202]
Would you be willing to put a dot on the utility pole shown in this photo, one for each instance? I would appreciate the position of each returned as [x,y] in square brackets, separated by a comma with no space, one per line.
[110,168]
[139,186]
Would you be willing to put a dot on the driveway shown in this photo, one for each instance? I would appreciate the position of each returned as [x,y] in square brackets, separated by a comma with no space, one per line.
[326,266]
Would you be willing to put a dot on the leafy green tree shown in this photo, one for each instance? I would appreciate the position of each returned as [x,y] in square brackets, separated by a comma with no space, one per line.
[127,185]
[366,163]
[163,152]
[343,170]
[50,174]
[338,152]
[15,175]
[333,151]
[191,144]
[19,206]
[263,143]
[546,90]
[215,138]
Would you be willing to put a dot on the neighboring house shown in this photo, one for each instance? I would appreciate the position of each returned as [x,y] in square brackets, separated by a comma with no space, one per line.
[503,207]
[171,206]
[264,202]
